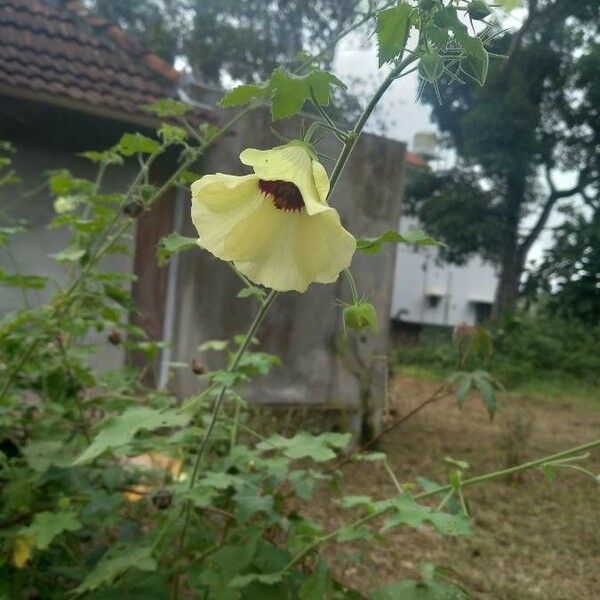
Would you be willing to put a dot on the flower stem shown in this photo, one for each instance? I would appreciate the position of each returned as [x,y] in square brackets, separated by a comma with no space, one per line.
[258,319]
[362,120]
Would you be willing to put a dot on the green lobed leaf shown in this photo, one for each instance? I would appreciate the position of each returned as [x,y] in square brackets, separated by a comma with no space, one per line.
[243,94]
[482,381]
[120,430]
[290,91]
[464,382]
[414,236]
[108,157]
[115,563]
[30,282]
[305,445]
[318,585]
[173,244]
[136,143]
[241,581]
[250,503]
[250,291]
[48,525]
[257,363]
[217,345]
[167,107]
[393,27]
[40,456]
[408,512]
[72,254]
[286,91]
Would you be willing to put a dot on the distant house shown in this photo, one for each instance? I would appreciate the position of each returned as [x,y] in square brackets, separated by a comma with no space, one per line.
[430,292]
[69,82]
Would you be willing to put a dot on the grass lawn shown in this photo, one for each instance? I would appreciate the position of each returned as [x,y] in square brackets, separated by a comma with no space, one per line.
[534,539]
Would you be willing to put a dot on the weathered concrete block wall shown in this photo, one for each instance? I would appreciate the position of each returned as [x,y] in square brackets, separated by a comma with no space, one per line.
[30,203]
[320,367]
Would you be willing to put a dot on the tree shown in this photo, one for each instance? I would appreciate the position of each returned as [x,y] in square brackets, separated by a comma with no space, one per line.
[158,24]
[570,270]
[224,39]
[537,114]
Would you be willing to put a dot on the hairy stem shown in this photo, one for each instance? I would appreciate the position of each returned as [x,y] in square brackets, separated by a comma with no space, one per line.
[187,510]
[362,120]
[444,489]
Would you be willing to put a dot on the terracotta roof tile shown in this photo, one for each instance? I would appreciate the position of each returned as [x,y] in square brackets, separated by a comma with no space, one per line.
[415,160]
[62,49]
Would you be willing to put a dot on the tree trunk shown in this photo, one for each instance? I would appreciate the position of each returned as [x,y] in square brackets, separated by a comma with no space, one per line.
[512,258]
[507,290]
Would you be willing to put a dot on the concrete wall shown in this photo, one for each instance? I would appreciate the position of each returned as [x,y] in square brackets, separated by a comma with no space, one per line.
[305,330]
[30,202]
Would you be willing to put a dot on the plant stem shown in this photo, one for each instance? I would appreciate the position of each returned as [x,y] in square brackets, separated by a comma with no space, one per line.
[258,319]
[440,490]
[360,123]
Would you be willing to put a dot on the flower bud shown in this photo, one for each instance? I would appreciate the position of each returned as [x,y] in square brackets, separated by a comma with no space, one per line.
[478,10]
[198,367]
[162,499]
[64,204]
[134,208]
[360,316]
[114,337]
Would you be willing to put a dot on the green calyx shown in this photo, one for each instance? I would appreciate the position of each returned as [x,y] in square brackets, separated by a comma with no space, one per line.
[478,10]
[306,145]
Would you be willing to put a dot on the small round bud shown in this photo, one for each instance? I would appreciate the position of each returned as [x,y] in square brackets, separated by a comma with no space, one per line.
[114,337]
[162,499]
[478,10]
[134,208]
[198,367]
[360,316]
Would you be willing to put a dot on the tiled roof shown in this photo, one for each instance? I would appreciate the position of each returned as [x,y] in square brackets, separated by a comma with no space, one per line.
[414,160]
[58,49]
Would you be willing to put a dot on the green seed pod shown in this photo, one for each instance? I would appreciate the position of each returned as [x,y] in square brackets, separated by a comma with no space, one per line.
[478,10]
[360,316]
[431,67]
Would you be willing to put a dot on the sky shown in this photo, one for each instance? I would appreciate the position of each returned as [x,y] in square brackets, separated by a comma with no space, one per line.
[400,116]
[356,59]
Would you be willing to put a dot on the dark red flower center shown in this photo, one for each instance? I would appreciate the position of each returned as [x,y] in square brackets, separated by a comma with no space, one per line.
[286,195]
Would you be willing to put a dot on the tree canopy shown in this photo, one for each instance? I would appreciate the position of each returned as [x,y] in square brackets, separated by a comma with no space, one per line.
[538,114]
[223,39]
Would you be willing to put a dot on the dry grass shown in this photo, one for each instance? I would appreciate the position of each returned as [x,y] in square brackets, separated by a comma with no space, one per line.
[534,539]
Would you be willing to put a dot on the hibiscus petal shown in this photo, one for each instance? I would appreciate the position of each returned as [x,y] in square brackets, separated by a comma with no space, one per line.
[288,251]
[323,248]
[219,203]
[291,163]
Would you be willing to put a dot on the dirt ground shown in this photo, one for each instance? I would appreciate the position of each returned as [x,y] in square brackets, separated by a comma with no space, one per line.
[534,539]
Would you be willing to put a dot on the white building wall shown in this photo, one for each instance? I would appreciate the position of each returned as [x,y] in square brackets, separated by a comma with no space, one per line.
[430,292]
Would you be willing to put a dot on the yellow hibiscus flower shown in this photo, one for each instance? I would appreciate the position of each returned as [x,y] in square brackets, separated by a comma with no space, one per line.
[274,225]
